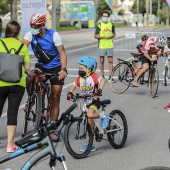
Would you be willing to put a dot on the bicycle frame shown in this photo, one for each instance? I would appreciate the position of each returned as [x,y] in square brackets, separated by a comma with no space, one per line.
[48,148]
[40,138]
[97,121]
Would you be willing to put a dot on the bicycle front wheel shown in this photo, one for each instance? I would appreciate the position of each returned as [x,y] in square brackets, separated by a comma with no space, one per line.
[122,74]
[117,130]
[166,76]
[77,135]
[33,113]
[153,81]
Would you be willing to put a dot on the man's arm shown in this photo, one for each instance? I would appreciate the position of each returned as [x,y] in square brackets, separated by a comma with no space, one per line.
[63,60]
[26,42]
[97,36]
[63,56]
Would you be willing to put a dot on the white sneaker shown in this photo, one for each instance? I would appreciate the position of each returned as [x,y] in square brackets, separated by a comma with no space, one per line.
[135,84]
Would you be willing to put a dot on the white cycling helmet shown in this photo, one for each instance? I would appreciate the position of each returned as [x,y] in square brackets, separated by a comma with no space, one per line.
[162,40]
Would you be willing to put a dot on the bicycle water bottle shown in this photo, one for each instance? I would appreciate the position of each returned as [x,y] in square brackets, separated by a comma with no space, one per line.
[98,125]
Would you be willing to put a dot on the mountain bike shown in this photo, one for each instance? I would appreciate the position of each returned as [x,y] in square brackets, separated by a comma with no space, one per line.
[78,134]
[40,139]
[37,109]
[166,72]
[124,73]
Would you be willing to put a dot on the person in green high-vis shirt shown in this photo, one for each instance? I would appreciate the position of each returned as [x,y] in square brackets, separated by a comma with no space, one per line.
[105,32]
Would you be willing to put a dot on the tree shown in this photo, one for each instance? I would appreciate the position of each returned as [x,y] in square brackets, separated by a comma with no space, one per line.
[142,6]
[102,6]
[4,6]
[163,13]
[58,5]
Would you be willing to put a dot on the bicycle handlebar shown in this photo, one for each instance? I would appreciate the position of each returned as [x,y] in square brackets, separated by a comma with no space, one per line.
[54,125]
[78,96]
[44,73]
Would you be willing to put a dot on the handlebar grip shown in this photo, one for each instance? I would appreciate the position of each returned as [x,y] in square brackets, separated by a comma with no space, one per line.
[70,109]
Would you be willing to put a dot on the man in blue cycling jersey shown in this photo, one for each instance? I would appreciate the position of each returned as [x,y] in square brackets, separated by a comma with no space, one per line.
[50,53]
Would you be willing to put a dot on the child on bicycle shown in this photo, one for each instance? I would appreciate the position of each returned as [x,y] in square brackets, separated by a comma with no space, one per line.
[90,83]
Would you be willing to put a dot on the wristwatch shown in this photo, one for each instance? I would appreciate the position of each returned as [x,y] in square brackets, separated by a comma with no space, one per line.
[64,69]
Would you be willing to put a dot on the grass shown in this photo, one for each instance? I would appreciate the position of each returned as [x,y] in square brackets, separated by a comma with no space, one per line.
[67,28]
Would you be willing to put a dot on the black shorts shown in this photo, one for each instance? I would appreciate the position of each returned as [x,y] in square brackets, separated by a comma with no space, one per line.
[54,80]
[145,60]
[96,105]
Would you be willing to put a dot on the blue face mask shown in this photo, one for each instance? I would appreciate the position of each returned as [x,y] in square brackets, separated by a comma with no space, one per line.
[35,31]
[105,19]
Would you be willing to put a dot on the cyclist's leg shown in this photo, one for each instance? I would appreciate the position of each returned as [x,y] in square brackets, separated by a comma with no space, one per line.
[145,67]
[30,77]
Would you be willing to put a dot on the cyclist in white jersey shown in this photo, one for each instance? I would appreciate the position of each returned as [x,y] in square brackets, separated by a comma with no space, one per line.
[90,82]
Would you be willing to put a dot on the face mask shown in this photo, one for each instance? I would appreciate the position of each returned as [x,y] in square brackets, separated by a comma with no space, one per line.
[35,31]
[104,19]
[82,73]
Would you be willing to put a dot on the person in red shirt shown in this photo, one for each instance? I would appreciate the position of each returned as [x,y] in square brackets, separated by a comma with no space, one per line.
[153,46]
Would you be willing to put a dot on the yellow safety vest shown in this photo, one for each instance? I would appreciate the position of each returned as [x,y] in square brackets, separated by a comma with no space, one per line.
[105,30]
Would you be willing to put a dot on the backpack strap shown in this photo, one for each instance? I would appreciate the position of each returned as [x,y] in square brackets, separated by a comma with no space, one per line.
[19,49]
[9,51]
[5,46]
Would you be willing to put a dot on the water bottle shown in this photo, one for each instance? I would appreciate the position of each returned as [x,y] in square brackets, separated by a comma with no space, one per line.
[98,124]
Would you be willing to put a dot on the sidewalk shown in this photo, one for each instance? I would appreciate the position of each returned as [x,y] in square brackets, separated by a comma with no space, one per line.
[85,37]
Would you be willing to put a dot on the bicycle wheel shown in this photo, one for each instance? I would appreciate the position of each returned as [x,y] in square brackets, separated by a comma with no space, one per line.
[166,76]
[153,82]
[76,136]
[117,129]
[33,113]
[46,105]
[122,74]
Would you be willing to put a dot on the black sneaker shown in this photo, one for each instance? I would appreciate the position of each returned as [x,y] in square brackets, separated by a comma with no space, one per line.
[103,76]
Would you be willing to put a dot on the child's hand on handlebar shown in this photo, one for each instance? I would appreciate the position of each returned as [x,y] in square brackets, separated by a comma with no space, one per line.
[70,96]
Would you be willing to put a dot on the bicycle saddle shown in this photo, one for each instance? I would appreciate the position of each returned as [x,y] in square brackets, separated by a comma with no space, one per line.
[106,101]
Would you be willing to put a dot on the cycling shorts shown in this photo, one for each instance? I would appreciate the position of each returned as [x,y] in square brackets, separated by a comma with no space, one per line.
[54,80]
[95,105]
[145,60]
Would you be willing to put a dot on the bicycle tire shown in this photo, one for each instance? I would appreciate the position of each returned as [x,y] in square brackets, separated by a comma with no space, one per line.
[165,75]
[122,75]
[117,114]
[32,118]
[46,105]
[75,134]
[153,81]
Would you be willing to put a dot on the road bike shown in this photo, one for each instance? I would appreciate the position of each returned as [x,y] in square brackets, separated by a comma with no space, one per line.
[166,72]
[40,139]
[37,109]
[124,73]
[78,134]
[153,78]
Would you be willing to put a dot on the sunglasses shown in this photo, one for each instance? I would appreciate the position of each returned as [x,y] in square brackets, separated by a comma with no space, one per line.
[35,26]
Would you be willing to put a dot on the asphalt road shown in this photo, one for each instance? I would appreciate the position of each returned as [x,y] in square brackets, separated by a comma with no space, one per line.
[148,123]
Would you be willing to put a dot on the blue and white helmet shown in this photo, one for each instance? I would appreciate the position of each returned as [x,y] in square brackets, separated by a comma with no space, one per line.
[88,62]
